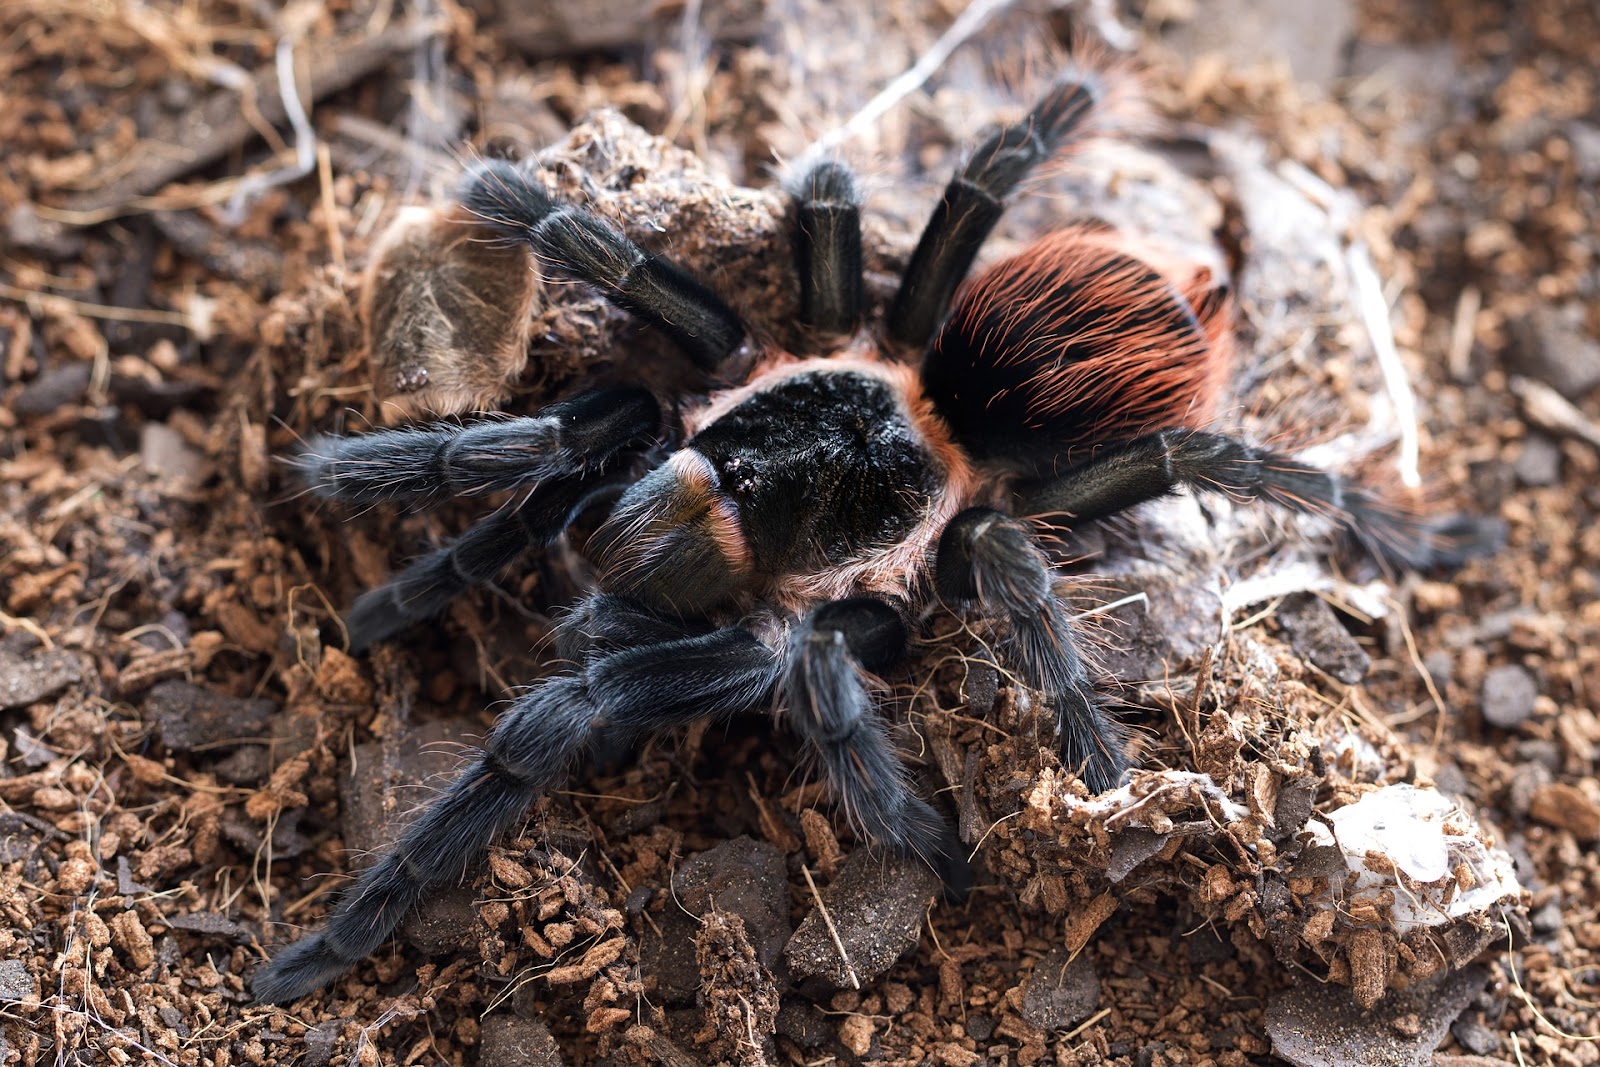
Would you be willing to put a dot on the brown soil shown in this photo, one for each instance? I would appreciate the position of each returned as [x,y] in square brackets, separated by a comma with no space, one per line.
[191,763]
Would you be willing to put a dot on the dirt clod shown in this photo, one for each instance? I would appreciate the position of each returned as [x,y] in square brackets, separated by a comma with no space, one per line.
[15,981]
[512,1041]
[875,907]
[1062,991]
[1314,1025]
[37,676]
[1317,635]
[188,716]
[1508,696]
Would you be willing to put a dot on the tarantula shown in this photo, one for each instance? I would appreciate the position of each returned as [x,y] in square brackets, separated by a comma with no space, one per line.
[808,516]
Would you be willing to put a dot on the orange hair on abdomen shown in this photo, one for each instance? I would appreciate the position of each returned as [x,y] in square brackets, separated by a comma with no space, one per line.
[1084,338]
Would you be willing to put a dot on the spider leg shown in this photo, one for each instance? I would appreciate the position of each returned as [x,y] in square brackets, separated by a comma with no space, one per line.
[508,198]
[426,586]
[989,559]
[974,200]
[1155,464]
[827,242]
[830,706]
[571,437]
[633,691]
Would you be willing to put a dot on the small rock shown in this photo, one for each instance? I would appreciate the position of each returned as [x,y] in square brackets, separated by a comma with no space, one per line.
[1451,781]
[60,385]
[805,1025]
[21,835]
[1541,750]
[981,687]
[1315,1025]
[211,926]
[30,751]
[743,876]
[287,840]
[25,228]
[876,904]
[1297,799]
[1538,462]
[1475,1037]
[1508,695]
[15,982]
[512,1041]
[320,1042]
[246,765]
[1062,991]
[1585,140]
[189,716]
[1133,846]
[445,921]
[1151,1054]
[29,679]
[1527,779]
[1440,665]
[1552,347]
[165,453]
[1318,637]
[1169,628]
[1311,39]
[1546,919]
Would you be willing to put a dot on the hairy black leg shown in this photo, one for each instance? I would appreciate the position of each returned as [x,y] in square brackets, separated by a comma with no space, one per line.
[991,560]
[650,286]
[830,706]
[974,201]
[634,691]
[488,547]
[1156,464]
[428,463]
[827,243]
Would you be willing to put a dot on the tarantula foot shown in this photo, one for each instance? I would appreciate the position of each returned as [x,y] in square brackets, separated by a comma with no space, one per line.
[952,867]
[1458,539]
[1446,543]
[298,969]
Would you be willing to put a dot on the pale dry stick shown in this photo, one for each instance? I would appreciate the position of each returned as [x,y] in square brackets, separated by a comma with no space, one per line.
[1374,309]
[1090,1021]
[833,932]
[1549,410]
[330,216]
[1462,332]
[1427,679]
[979,846]
[1105,609]
[31,297]
[11,622]
[305,139]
